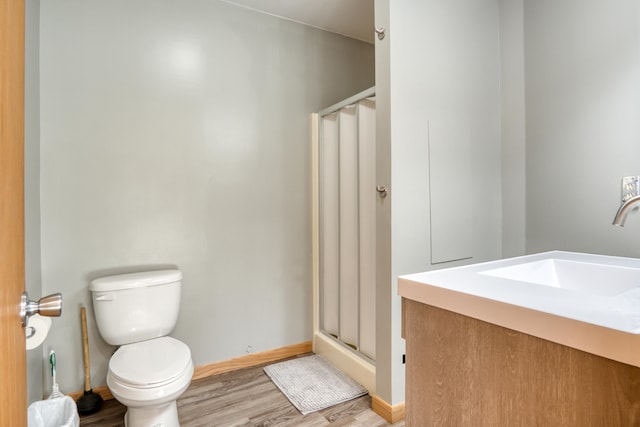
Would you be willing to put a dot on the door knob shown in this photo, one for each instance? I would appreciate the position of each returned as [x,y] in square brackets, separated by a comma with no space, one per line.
[50,306]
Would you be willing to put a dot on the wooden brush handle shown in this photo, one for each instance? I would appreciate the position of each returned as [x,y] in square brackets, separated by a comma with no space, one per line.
[85,348]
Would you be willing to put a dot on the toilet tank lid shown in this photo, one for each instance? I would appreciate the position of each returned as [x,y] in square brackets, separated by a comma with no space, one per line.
[135,280]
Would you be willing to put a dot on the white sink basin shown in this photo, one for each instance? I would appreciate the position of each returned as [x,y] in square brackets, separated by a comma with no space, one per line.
[591,278]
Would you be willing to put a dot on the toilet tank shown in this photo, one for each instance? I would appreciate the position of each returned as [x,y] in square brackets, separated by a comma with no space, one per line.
[136,307]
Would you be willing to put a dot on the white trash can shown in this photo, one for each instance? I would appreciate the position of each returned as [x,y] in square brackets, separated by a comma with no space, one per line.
[59,412]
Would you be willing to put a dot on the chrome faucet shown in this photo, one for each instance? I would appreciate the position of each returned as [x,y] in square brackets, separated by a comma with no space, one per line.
[623,211]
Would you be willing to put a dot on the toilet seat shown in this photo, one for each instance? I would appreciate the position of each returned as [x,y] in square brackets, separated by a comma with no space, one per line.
[151,364]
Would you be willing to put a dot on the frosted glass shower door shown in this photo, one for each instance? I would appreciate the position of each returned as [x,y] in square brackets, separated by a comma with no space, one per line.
[368,195]
[330,230]
[349,232]
[347,235]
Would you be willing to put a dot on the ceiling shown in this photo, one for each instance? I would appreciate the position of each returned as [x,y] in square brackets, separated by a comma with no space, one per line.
[351,18]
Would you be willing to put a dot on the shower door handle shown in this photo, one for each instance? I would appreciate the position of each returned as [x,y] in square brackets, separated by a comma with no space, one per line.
[382,190]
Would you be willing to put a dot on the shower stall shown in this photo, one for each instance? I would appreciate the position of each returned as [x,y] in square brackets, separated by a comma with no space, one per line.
[344,181]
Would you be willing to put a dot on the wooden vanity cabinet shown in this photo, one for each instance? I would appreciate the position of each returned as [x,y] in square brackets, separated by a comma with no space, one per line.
[465,372]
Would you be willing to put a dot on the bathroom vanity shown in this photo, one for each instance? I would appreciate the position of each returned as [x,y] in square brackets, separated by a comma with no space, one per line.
[550,339]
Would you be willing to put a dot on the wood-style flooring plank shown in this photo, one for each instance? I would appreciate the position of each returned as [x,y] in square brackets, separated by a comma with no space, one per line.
[246,398]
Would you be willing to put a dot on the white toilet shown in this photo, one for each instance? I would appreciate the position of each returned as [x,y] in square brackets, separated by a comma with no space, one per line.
[150,370]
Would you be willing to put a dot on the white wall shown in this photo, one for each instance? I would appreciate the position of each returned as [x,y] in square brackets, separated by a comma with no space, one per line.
[582,73]
[444,115]
[176,134]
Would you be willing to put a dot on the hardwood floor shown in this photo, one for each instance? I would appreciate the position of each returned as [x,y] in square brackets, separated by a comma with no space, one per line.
[246,397]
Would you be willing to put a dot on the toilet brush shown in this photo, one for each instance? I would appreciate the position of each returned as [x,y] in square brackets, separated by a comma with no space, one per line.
[89,402]
[55,390]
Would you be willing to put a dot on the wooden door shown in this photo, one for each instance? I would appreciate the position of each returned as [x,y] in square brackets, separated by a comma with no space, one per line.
[13,384]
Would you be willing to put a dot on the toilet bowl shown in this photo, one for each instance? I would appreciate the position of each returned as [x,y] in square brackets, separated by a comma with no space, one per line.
[150,369]
[147,377]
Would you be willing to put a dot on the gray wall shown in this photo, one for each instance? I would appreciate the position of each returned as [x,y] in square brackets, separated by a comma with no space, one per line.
[554,121]
[582,73]
[35,357]
[442,85]
[512,128]
[176,134]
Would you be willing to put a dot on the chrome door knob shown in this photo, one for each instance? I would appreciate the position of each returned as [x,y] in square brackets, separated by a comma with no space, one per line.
[50,306]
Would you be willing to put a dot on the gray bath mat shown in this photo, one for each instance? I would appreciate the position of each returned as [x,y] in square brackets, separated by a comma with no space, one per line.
[311,383]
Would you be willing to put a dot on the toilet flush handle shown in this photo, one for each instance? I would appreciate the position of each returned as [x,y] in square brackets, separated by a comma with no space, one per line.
[105,297]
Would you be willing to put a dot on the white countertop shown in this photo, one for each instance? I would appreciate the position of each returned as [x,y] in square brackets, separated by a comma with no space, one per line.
[603,323]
